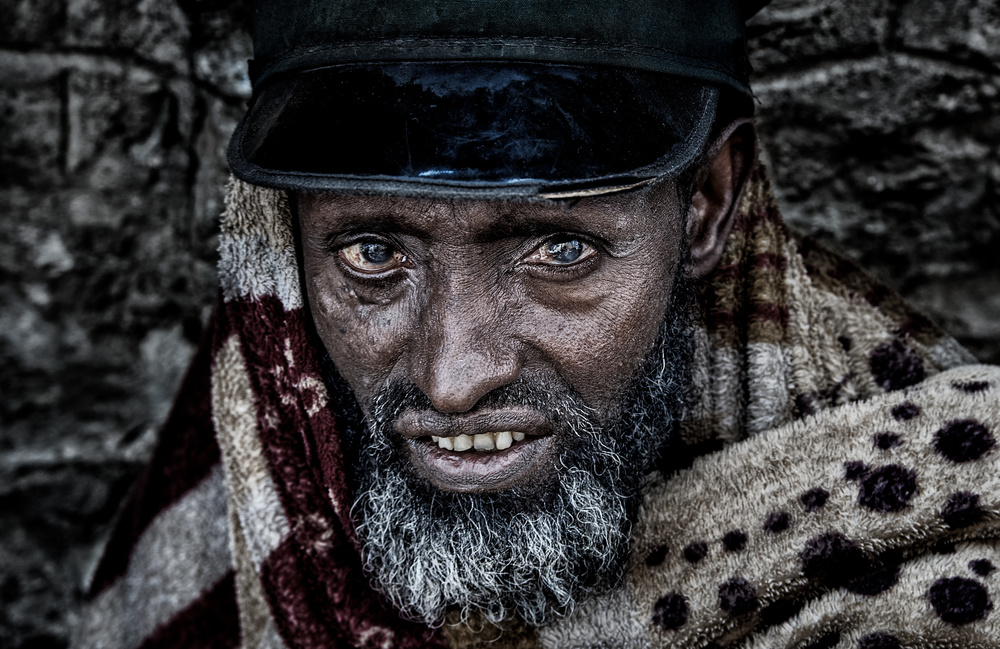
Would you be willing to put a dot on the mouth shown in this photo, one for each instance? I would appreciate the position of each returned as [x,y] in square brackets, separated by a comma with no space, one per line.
[482,442]
[481,453]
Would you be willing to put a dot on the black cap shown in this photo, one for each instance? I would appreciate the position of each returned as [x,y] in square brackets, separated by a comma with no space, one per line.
[485,98]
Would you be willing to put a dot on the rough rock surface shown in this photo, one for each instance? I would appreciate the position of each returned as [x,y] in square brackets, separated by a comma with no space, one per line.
[881,123]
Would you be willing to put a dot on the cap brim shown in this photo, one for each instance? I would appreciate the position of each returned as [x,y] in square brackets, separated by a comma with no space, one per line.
[471,129]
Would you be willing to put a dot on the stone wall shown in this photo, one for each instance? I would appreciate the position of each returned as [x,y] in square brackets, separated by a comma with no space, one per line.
[880,118]
[881,122]
[113,118]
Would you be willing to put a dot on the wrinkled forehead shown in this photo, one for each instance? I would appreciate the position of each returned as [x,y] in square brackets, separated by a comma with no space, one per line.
[618,214]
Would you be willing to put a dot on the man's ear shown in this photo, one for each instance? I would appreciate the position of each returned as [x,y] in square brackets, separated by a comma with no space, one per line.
[717,189]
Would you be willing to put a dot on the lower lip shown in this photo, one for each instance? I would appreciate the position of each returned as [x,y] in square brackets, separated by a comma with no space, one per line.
[471,471]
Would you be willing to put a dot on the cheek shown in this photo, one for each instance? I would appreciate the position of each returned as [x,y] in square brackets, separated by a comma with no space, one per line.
[598,337]
[364,336]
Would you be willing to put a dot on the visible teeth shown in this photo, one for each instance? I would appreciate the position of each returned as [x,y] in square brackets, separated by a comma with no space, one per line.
[483,442]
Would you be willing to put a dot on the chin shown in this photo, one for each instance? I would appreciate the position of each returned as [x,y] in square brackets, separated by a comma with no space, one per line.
[532,549]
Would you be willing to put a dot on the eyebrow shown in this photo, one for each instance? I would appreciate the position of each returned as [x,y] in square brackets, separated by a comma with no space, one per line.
[502,228]
[511,220]
[379,222]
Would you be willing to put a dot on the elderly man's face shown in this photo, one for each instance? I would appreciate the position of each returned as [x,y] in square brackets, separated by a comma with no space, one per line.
[462,298]
[518,366]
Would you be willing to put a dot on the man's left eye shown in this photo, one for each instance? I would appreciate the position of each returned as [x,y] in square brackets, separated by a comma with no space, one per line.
[371,257]
[562,252]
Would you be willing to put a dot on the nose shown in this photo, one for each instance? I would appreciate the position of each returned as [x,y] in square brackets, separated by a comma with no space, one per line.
[466,347]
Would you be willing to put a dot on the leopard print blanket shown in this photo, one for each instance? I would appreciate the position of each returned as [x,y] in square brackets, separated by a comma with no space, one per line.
[837,484]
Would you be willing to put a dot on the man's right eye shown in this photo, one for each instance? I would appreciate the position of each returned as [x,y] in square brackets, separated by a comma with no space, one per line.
[372,257]
[565,250]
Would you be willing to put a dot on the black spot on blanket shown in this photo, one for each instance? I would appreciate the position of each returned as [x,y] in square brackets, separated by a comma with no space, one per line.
[738,596]
[875,583]
[963,440]
[735,541]
[826,641]
[777,522]
[982,567]
[854,470]
[886,441]
[896,366]
[814,498]
[779,611]
[670,611]
[887,489]
[971,387]
[695,552]
[943,548]
[832,558]
[879,640]
[657,556]
[958,600]
[962,510]
[905,411]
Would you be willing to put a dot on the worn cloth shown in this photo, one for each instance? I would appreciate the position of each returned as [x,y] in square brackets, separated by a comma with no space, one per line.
[836,481]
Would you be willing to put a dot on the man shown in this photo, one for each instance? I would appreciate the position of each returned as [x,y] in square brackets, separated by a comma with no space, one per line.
[514,350]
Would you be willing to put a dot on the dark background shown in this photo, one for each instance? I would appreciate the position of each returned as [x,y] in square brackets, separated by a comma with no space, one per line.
[880,121]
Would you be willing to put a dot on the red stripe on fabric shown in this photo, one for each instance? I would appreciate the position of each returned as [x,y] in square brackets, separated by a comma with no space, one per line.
[279,356]
[763,260]
[210,622]
[749,221]
[294,594]
[283,361]
[292,601]
[770,260]
[769,312]
[727,271]
[759,311]
[185,453]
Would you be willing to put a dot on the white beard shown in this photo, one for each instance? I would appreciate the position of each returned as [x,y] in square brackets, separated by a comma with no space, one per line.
[485,554]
